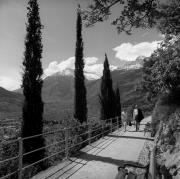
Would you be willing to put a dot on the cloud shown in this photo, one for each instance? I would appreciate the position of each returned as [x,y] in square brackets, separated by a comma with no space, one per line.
[54,67]
[129,52]
[9,83]
[92,69]
[91,60]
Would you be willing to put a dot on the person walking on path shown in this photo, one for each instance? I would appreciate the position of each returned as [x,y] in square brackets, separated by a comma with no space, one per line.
[137,116]
[124,119]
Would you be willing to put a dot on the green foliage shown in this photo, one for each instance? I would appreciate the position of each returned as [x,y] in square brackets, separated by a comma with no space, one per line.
[80,102]
[170,15]
[147,84]
[136,14]
[174,121]
[8,150]
[107,95]
[161,72]
[32,85]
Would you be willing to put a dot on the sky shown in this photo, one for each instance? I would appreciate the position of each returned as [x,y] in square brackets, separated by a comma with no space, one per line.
[59,37]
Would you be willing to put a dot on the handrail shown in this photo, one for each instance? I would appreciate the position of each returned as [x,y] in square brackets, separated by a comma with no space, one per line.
[78,135]
[27,153]
[10,142]
[8,175]
[89,130]
[9,159]
[38,135]
[42,159]
[56,131]
[97,128]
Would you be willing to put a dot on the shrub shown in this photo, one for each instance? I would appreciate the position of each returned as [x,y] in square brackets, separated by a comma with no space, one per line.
[8,150]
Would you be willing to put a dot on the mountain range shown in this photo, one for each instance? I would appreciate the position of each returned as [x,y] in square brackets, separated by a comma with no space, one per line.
[58,95]
[92,69]
[58,92]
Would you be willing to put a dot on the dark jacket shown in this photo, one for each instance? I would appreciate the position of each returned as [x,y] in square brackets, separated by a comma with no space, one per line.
[140,116]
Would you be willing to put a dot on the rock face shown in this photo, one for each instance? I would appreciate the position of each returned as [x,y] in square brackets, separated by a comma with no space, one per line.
[169,146]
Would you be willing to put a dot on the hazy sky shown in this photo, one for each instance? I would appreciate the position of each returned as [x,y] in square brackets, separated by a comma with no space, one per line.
[59,35]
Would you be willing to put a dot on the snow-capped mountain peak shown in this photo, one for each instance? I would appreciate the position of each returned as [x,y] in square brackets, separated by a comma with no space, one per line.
[92,71]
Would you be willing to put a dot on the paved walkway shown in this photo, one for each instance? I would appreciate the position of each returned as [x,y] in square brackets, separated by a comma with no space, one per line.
[100,159]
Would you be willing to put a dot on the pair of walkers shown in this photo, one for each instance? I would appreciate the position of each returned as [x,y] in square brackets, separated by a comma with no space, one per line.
[137,117]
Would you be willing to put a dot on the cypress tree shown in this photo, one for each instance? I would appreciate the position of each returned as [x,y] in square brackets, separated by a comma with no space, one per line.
[32,112]
[80,102]
[118,103]
[107,95]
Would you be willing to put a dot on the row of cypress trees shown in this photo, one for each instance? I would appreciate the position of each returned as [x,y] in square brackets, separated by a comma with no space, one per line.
[32,82]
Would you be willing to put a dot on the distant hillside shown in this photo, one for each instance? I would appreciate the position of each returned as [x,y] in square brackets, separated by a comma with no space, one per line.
[10,104]
[58,95]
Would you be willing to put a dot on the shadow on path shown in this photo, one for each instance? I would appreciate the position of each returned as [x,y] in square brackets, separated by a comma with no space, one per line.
[135,131]
[91,157]
[74,163]
[131,137]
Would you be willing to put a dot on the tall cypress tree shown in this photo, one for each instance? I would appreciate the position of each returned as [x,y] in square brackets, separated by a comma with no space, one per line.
[118,103]
[32,113]
[80,102]
[107,95]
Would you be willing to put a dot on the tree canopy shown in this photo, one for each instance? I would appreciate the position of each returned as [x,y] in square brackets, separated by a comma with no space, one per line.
[164,15]
[161,72]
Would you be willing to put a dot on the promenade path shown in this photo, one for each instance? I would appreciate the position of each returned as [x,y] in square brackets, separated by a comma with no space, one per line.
[100,159]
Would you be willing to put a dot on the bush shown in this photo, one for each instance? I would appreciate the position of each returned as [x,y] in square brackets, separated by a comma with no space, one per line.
[8,150]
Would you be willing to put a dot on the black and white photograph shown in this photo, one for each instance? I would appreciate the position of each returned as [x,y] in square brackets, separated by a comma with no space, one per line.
[89,89]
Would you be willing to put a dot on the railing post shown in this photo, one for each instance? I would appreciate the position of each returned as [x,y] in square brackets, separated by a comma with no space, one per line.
[89,134]
[111,125]
[117,120]
[66,142]
[102,128]
[20,141]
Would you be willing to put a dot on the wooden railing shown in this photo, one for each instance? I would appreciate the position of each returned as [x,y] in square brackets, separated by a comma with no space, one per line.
[105,127]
